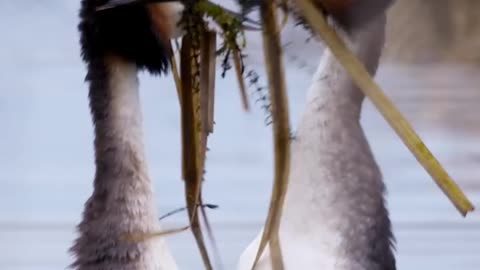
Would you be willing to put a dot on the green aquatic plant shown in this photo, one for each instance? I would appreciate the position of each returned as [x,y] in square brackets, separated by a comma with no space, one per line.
[204,21]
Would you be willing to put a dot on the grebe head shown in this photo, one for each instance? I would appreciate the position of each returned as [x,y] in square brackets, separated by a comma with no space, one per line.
[138,33]
[354,13]
[348,13]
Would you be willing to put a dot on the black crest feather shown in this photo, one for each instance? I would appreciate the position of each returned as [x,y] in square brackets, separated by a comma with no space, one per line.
[123,31]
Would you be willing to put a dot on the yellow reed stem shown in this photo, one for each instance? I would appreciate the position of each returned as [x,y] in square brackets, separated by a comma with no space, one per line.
[401,126]
[281,131]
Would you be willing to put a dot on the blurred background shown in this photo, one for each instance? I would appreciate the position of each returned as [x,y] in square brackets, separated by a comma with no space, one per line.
[430,70]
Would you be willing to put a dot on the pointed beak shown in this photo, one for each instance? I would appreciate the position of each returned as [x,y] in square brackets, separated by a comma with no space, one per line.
[118,3]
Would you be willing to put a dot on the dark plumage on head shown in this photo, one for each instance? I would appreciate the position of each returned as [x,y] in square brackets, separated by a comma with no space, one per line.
[354,13]
[124,32]
[248,5]
[348,13]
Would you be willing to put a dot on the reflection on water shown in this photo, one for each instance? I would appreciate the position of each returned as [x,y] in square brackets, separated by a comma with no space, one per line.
[46,152]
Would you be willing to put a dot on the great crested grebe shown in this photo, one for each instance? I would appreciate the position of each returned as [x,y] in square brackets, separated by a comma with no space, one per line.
[335,217]
[116,44]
